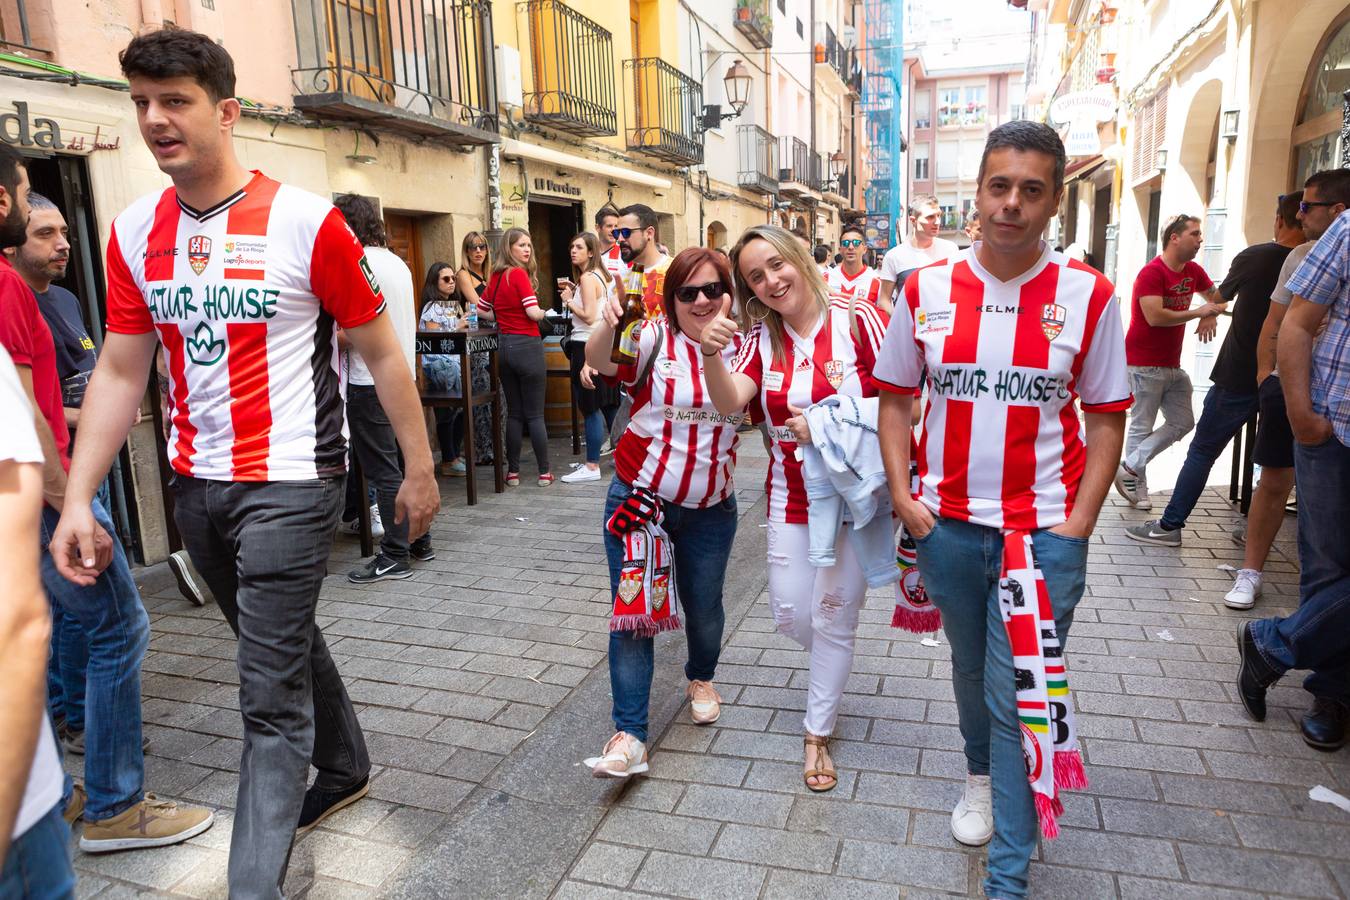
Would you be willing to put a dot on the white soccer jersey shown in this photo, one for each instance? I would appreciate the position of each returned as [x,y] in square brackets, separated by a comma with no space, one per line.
[615,266]
[863,286]
[246,298]
[1002,445]
[677,444]
[831,360]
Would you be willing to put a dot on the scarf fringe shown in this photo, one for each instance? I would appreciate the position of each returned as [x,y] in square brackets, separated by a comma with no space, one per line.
[1069,773]
[1048,812]
[643,625]
[917,621]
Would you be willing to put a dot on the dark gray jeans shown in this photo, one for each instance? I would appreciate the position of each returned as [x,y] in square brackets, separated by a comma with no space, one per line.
[525,380]
[377,450]
[263,549]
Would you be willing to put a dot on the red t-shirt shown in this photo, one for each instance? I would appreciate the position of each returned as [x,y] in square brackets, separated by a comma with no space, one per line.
[1151,345]
[507,296]
[24,333]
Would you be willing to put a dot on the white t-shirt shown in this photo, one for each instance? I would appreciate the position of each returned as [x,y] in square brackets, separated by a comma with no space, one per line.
[19,443]
[905,256]
[580,330]
[394,277]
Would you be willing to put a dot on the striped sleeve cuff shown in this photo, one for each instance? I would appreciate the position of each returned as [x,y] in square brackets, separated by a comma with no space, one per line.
[529,301]
[1110,407]
[895,388]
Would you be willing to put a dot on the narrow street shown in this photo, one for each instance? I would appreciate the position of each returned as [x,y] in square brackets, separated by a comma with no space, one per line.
[482,683]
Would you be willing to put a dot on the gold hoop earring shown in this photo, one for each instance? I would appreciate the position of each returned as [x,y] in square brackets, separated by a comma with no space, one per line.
[750,311]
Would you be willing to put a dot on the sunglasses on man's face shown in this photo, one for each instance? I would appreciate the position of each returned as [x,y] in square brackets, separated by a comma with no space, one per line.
[1305,206]
[851,242]
[624,233]
[713,290]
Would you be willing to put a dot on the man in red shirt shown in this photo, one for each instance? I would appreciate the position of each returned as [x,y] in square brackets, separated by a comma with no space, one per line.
[245,281]
[1161,304]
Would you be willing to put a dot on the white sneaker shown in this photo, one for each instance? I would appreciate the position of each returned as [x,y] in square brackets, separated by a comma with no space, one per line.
[376,526]
[1141,492]
[705,705]
[973,818]
[1245,590]
[624,755]
[1132,487]
[580,474]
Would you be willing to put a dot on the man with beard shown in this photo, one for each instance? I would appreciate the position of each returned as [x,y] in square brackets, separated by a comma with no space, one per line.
[639,244]
[105,602]
[1160,306]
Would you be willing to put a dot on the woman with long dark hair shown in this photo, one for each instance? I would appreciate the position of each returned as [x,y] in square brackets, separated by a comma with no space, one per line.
[511,298]
[682,476]
[590,287]
[801,349]
[441,312]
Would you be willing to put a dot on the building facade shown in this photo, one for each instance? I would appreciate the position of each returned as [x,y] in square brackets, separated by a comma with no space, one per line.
[454,116]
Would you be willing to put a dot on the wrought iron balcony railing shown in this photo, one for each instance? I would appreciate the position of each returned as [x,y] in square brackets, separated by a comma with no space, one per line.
[573,65]
[666,107]
[421,67]
[754,19]
[758,160]
[815,173]
[794,164]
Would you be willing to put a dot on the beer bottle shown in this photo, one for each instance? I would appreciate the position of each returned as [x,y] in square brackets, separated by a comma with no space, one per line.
[625,351]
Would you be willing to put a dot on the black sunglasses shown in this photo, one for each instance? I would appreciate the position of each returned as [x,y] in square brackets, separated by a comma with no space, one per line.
[473,247]
[713,290]
[1305,205]
[625,233]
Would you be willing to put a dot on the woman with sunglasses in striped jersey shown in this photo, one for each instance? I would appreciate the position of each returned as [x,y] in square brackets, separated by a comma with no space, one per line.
[804,346]
[680,449]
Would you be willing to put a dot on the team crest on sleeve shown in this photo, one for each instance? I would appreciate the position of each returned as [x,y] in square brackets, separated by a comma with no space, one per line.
[199,253]
[1052,320]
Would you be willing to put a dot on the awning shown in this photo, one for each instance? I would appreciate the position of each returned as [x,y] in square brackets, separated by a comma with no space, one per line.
[1081,168]
[579,164]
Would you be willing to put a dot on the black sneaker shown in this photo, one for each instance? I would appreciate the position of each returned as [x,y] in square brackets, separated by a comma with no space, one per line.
[421,549]
[181,567]
[320,804]
[380,568]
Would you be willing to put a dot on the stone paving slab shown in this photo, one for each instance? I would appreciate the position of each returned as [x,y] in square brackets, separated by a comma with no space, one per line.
[482,681]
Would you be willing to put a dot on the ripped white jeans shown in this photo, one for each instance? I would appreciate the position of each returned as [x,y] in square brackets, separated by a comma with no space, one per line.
[817,608]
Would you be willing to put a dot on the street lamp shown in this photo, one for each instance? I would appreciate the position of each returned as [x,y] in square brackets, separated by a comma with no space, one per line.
[737,83]
[1160,161]
[1229,126]
[838,165]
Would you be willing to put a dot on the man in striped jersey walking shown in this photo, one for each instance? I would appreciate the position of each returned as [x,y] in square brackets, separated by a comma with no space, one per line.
[245,281]
[1010,334]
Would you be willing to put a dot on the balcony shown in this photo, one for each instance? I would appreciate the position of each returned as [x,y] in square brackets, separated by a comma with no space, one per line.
[758,160]
[835,62]
[422,68]
[16,32]
[667,104]
[754,20]
[816,172]
[795,167]
[573,64]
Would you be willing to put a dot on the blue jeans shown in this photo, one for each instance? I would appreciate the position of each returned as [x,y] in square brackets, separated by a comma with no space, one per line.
[68,660]
[595,435]
[702,544]
[114,625]
[37,866]
[1317,635]
[1223,416]
[961,563]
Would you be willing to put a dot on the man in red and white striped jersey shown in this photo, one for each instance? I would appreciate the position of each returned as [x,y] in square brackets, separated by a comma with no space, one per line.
[1010,334]
[606,220]
[853,278]
[245,282]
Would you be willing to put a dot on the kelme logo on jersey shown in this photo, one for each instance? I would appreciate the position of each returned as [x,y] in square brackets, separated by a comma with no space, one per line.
[203,348]
[199,253]
[370,276]
[1052,320]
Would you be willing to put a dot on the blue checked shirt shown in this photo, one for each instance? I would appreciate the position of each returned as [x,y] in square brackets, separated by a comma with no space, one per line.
[1324,279]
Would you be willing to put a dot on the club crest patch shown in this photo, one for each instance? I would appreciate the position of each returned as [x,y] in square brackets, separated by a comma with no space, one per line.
[199,253]
[834,373]
[1053,317]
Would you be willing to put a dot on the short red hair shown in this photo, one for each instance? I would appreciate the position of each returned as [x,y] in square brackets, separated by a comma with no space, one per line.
[684,264]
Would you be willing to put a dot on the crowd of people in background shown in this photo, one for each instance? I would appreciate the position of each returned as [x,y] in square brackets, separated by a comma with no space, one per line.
[975,397]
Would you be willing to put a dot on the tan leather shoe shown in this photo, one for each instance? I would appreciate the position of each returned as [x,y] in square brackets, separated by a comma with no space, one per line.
[150,823]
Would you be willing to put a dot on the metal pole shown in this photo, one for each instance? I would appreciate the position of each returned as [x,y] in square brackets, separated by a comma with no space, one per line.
[494,192]
[1345,131]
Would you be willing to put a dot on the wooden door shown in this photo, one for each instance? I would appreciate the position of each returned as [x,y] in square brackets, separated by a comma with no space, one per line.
[404,240]
[358,35]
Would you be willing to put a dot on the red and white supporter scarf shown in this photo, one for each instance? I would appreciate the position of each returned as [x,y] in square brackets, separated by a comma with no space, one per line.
[647,601]
[1044,710]
[914,611]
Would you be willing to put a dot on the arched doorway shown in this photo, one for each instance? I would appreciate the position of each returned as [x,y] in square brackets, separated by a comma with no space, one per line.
[1199,145]
[1317,134]
[716,235]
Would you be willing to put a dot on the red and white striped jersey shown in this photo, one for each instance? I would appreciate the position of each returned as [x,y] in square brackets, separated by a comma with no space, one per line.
[246,298]
[828,361]
[864,286]
[614,264]
[677,444]
[1002,445]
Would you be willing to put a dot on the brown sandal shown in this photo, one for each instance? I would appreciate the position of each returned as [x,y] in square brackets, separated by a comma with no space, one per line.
[822,745]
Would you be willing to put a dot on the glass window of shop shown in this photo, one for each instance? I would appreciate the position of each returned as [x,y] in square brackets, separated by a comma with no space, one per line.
[1319,122]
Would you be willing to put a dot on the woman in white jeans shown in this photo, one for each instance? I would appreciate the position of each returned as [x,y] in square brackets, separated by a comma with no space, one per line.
[801,348]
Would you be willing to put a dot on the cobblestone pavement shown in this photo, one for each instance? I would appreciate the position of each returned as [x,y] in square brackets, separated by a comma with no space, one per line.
[481,683]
